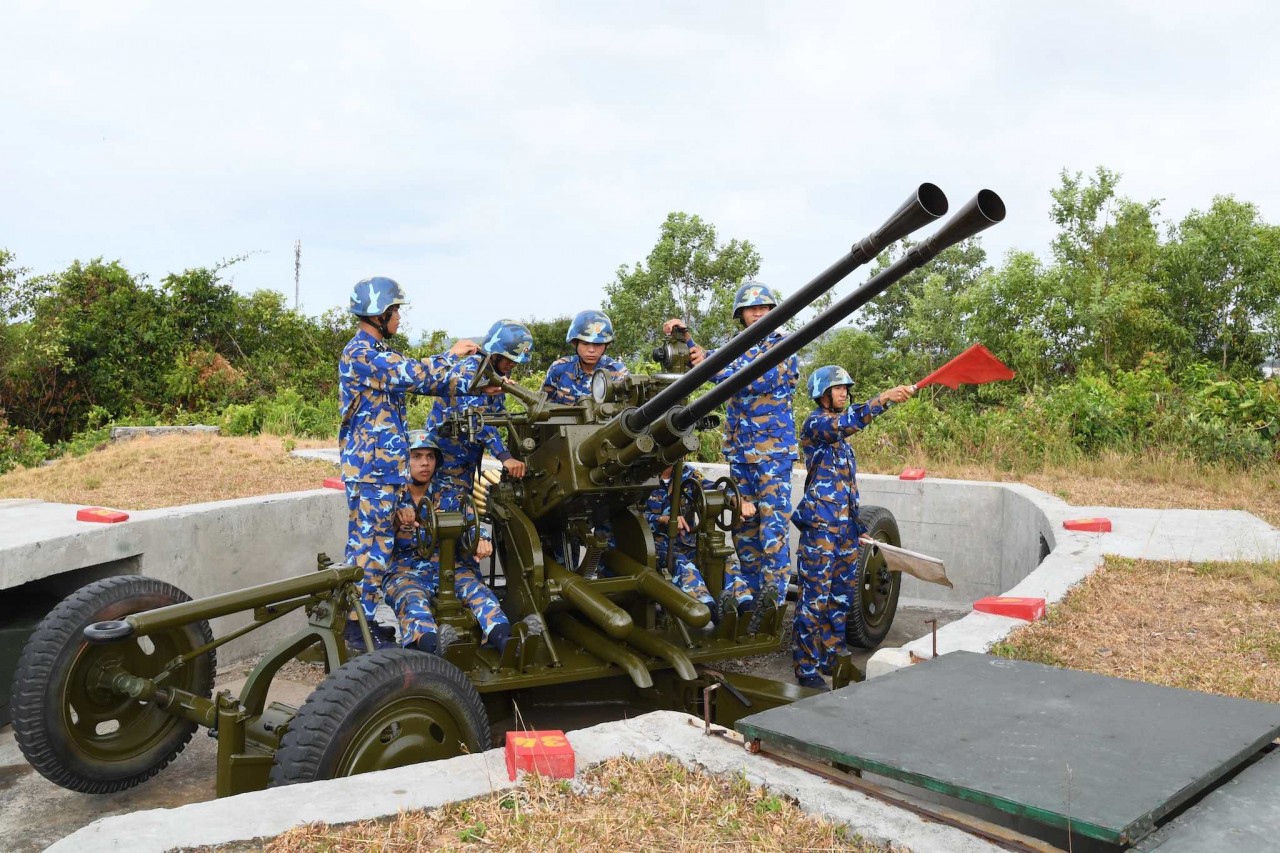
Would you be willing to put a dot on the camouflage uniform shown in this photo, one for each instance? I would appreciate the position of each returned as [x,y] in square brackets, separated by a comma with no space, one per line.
[828,520]
[372,382]
[684,573]
[760,446]
[567,382]
[460,457]
[412,581]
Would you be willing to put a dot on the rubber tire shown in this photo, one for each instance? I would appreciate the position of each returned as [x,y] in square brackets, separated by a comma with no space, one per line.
[863,629]
[335,713]
[49,662]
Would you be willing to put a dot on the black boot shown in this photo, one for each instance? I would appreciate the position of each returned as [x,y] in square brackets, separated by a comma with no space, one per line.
[428,643]
[499,636]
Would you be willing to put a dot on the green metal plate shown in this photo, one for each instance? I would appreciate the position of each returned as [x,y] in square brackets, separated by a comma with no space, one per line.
[1104,757]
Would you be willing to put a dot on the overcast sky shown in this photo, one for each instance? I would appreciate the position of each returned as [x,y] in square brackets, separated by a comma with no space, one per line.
[505,159]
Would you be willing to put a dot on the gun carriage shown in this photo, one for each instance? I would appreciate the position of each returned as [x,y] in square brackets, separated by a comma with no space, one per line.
[114,682]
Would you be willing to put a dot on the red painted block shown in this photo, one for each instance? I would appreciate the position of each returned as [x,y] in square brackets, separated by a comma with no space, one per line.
[548,753]
[334,483]
[1030,609]
[97,513]
[911,474]
[1088,525]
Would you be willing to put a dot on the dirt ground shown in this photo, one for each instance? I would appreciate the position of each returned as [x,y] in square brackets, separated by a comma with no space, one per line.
[36,812]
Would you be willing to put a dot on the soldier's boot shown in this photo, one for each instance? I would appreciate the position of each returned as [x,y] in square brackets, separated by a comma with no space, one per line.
[499,636]
[813,682]
[765,607]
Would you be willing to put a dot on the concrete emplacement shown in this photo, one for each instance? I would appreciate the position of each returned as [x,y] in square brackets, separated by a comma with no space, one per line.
[995,538]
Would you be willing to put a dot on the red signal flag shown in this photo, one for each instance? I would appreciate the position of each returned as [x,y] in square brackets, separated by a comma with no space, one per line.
[974,366]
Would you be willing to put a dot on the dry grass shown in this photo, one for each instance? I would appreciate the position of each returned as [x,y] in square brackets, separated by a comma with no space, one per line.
[622,804]
[1153,481]
[1162,622]
[146,473]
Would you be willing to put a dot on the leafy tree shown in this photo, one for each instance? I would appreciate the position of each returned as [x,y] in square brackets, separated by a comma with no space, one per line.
[1106,256]
[1222,273]
[688,274]
[889,315]
[548,344]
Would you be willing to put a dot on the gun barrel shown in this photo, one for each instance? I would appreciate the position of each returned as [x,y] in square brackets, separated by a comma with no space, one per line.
[926,204]
[226,603]
[983,210]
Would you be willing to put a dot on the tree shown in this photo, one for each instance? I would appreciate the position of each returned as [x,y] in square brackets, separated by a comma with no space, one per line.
[1222,272]
[688,274]
[1106,257]
[953,271]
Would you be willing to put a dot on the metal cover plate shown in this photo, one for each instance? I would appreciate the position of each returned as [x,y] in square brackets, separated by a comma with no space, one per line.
[1105,757]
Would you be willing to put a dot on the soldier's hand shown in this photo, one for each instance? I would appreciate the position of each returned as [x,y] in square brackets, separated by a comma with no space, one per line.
[670,326]
[696,355]
[463,347]
[748,509]
[682,524]
[483,549]
[405,518]
[898,394]
[514,467]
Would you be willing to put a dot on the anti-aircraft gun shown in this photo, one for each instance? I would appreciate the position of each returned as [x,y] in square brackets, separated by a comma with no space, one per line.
[114,682]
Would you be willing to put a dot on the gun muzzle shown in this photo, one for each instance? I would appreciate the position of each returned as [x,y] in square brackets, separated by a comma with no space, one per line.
[925,205]
[983,210]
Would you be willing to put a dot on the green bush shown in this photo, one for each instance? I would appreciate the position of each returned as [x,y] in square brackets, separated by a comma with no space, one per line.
[20,448]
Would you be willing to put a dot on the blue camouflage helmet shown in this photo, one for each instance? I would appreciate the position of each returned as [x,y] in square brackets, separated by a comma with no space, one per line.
[591,327]
[753,293]
[421,439]
[372,296]
[825,378]
[509,338]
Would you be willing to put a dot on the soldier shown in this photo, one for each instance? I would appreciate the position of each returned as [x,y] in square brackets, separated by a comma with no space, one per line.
[760,446]
[372,382]
[657,512]
[507,343]
[828,519]
[413,580]
[569,378]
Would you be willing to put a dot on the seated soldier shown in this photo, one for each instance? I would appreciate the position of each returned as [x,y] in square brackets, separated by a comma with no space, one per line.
[569,378]
[413,580]
[657,512]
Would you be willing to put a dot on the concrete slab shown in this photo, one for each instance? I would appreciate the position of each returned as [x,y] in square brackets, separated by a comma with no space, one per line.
[1243,814]
[268,813]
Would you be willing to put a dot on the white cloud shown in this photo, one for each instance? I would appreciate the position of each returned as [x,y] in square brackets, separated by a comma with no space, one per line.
[523,151]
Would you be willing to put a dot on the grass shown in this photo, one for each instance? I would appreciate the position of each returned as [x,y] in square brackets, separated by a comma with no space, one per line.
[1213,627]
[622,804]
[1154,480]
[171,470]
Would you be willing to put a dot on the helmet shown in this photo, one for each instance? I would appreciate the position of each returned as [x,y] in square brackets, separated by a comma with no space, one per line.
[825,378]
[372,296]
[753,293]
[591,327]
[509,338]
[421,439]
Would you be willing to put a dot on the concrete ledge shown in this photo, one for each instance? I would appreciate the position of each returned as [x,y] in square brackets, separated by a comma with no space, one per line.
[424,786]
[127,432]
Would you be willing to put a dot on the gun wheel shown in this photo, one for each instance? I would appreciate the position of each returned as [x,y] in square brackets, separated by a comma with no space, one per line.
[877,588]
[74,729]
[382,710]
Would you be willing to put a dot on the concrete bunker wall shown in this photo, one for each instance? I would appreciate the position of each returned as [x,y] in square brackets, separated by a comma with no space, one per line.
[202,549]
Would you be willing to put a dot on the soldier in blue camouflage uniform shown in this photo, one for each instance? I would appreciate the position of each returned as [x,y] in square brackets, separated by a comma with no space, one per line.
[373,380]
[569,378]
[413,580]
[507,343]
[760,446]
[828,519]
[657,511]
